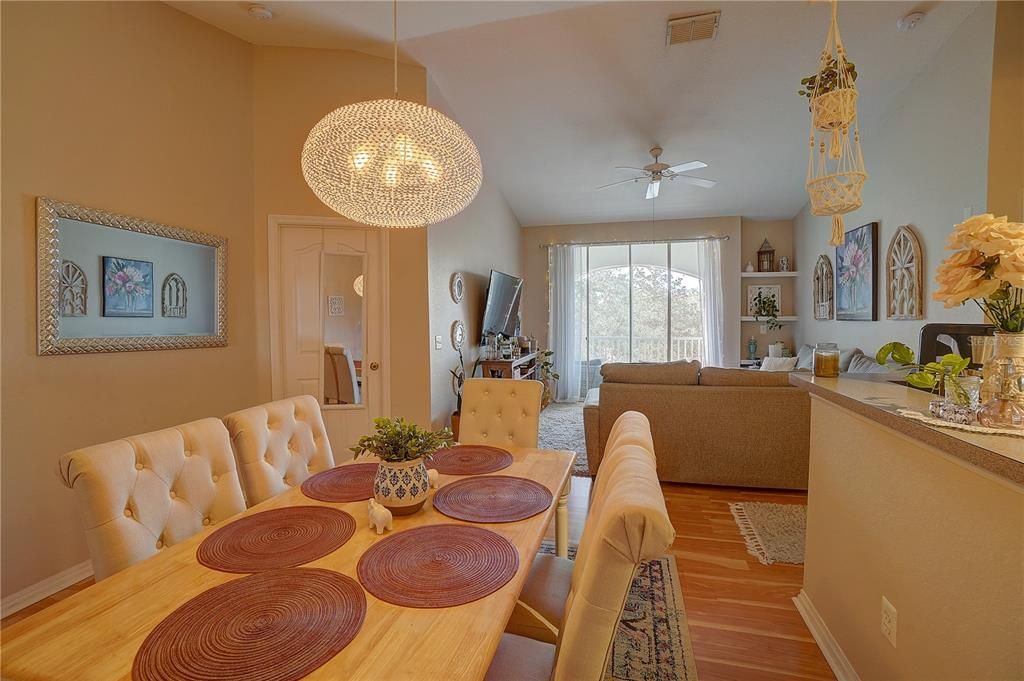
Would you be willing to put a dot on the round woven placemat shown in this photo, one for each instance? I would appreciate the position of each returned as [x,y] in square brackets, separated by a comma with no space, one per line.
[470,460]
[275,626]
[438,566]
[353,482]
[279,538]
[492,499]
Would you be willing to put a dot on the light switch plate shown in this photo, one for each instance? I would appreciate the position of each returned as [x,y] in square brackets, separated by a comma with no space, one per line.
[438,342]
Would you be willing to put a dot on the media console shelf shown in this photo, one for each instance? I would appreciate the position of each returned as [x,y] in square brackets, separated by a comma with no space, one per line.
[524,366]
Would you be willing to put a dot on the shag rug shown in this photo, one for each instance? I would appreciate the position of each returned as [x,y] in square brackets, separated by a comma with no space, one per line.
[653,641]
[561,427]
[774,533]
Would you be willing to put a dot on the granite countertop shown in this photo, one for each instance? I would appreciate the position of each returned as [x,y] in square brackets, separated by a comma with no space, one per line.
[879,399]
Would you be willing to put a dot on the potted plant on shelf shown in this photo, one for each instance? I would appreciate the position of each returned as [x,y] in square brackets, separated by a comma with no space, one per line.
[401,484]
[765,306]
[548,377]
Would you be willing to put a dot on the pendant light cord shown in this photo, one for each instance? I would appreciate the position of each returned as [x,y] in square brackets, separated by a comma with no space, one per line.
[394,36]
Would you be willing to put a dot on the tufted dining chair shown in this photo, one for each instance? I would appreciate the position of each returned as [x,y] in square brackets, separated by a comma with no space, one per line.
[500,412]
[278,445]
[143,493]
[568,612]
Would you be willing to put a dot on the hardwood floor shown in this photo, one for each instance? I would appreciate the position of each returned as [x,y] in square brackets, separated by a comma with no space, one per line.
[743,625]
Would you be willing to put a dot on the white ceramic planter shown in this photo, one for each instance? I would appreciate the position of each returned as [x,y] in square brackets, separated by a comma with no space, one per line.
[403,487]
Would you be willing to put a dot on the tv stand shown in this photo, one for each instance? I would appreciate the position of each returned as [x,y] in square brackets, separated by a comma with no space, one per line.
[524,366]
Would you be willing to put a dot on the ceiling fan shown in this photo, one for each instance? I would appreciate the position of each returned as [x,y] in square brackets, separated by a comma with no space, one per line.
[655,172]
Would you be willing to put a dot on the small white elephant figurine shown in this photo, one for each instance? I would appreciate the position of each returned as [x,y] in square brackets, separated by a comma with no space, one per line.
[433,475]
[380,517]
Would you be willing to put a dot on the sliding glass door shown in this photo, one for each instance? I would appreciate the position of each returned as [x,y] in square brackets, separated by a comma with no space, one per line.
[639,303]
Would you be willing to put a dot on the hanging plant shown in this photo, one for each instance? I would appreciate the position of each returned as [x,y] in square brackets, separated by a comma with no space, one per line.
[835,164]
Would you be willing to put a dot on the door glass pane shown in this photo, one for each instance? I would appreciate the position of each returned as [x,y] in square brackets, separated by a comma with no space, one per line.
[609,304]
[687,323]
[344,334]
[650,303]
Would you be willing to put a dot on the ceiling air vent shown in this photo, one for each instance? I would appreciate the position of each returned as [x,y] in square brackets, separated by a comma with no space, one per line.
[697,27]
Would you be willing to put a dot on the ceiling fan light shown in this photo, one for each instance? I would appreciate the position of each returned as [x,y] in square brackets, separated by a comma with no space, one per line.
[391,163]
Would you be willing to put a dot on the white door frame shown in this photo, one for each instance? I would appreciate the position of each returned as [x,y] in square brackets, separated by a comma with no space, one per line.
[274,225]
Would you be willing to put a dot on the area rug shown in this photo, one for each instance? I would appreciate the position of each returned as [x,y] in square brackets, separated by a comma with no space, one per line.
[774,533]
[561,427]
[653,641]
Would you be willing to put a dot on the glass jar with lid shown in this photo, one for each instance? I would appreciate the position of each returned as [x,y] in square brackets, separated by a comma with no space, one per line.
[826,360]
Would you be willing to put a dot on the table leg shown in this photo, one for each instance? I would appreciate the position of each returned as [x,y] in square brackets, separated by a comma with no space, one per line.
[562,523]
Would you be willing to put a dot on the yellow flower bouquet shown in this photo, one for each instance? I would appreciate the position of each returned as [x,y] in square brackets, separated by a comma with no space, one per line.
[988,268]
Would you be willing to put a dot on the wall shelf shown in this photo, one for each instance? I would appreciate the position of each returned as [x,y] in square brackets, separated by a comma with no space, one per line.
[767,275]
[787,318]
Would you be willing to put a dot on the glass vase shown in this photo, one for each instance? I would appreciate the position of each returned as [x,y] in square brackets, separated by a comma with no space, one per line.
[1004,411]
[1008,352]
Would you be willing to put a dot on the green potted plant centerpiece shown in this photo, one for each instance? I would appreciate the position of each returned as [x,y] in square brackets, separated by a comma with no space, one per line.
[401,484]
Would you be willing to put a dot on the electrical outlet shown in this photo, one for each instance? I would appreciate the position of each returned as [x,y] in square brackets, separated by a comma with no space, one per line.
[889,621]
[438,342]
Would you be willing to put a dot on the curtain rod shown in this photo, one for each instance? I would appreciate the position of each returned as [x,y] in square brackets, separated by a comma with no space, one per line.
[627,243]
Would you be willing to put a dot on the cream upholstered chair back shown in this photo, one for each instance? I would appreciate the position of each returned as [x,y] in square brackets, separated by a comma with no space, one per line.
[146,492]
[627,524]
[278,445]
[500,412]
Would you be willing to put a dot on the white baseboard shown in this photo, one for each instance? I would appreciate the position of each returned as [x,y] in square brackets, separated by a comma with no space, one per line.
[834,655]
[47,587]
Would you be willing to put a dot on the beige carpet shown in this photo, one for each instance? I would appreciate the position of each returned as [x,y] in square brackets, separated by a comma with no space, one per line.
[653,641]
[774,533]
[561,427]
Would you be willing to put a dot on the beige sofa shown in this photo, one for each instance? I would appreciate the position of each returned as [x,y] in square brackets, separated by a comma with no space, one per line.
[710,426]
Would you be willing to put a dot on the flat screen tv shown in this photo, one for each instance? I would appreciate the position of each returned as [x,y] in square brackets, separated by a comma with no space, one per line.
[501,313]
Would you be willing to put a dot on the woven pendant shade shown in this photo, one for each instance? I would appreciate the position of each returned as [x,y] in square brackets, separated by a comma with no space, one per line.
[391,163]
[835,164]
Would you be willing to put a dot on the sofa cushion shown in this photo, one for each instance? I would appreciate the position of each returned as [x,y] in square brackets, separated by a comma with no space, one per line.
[846,356]
[660,373]
[778,364]
[743,378]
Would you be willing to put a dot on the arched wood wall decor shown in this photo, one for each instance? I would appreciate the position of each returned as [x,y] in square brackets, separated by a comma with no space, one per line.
[74,290]
[904,276]
[824,289]
[174,296]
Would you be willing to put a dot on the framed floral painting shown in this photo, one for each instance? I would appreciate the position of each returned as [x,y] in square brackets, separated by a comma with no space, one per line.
[856,274]
[127,287]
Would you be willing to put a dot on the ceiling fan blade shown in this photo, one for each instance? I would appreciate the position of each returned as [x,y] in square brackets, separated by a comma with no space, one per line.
[632,179]
[653,188]
[695,181]
[683,167]
[639,170]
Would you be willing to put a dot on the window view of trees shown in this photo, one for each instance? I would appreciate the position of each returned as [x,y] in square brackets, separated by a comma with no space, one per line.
[639,306]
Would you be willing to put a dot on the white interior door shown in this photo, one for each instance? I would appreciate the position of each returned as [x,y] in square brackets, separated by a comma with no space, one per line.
[328,311]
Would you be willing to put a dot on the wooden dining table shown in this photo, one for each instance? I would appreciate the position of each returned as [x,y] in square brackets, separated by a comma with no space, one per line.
[96,633]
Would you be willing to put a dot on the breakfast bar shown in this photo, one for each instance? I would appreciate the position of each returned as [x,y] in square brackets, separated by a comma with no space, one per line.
[915,539]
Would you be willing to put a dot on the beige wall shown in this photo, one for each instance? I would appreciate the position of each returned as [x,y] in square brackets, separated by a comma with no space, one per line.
[146,126]
[944,543]
[483,237]
[1006,123]
[927,158]
[535,264]
[294,88]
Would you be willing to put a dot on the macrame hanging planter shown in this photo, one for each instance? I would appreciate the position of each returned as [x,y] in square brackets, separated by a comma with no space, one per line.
[835,164]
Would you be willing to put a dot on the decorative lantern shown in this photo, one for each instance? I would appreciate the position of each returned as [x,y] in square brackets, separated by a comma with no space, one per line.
[836,175]
[766,257]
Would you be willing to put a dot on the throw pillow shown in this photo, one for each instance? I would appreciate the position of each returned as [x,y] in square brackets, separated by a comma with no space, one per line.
[778,364]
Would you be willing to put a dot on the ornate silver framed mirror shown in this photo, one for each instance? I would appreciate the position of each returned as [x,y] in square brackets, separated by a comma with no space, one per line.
[113,283]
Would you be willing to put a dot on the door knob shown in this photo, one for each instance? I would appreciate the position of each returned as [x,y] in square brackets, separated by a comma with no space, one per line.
[374,366]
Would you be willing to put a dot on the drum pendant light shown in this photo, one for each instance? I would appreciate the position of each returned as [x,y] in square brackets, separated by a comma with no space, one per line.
[391,162]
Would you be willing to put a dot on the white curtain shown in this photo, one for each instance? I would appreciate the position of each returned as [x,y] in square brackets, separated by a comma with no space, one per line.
[709,264]
[565,323]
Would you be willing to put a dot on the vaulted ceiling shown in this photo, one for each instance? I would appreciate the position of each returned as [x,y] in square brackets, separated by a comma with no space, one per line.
[557,94]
